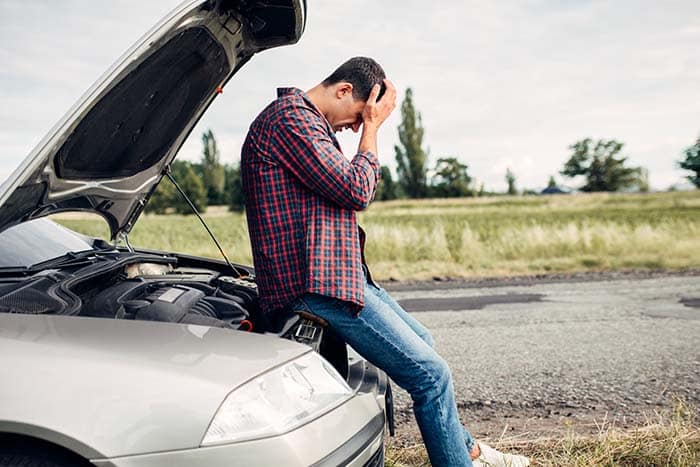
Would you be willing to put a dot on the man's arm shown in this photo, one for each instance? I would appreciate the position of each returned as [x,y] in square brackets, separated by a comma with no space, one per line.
[308,152]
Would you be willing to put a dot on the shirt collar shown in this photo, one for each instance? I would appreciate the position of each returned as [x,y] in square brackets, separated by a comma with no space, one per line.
[285,91]
[281,92]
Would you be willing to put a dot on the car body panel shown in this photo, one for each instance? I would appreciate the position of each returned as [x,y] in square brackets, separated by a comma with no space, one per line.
[110,151]
[121,387]
[311,444]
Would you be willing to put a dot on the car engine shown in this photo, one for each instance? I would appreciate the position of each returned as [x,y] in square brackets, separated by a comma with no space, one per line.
[191,303]
[138,290]
[171,289]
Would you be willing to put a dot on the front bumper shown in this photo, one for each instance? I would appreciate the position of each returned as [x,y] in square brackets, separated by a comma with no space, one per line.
[351,434]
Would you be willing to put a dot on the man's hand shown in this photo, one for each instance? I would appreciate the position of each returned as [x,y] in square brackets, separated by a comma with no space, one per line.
[375,113]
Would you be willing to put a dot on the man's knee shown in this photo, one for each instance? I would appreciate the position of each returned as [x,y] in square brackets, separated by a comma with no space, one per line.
[428,338]
[441,371]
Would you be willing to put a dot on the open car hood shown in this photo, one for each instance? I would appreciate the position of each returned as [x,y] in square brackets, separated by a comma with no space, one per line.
[110,151]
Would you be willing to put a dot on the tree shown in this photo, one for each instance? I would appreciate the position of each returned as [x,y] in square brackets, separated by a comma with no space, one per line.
[213,174]
[603,171]
[552,183]
[185,175]
[162,198]
[166,195]
[643,180]
[234,188]
[692,163]
[510,179]
[451,179]
[386,189]
[411,158]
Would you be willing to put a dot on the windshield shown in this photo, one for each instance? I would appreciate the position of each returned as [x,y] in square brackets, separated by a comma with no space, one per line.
[36,241]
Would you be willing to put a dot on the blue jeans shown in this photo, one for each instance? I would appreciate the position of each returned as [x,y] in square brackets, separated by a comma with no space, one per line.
[387,336]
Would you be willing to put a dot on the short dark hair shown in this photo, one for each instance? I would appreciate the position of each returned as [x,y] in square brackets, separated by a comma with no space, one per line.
[363,73]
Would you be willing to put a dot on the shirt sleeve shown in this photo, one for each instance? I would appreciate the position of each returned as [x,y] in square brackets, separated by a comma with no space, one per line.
[304,147]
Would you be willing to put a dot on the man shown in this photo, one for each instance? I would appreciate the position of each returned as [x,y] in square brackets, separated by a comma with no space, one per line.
[301,198]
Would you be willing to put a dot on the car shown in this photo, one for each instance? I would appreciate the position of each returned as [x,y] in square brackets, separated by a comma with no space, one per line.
[121,356]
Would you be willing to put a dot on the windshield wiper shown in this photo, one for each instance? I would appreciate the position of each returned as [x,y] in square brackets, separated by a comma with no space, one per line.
[63,261]
[71,259]
[9,270]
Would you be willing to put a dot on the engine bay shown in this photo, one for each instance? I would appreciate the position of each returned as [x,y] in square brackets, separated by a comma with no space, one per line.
[167,288]
[139,287]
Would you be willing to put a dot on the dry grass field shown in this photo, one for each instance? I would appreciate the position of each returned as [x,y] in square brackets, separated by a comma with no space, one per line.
[672,438]
[475,237]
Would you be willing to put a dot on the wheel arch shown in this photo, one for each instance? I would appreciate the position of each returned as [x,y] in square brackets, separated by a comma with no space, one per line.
[28,436]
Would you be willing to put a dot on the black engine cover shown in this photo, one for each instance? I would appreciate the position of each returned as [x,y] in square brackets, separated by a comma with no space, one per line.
[174,303]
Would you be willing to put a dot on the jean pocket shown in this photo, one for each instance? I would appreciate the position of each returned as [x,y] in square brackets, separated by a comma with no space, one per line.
[344,306]
[323,305]
[298,304]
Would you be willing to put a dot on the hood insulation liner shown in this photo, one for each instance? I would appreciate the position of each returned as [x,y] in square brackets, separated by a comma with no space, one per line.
[137,121]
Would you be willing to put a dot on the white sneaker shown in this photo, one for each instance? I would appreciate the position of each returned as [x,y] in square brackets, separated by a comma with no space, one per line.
[489,457]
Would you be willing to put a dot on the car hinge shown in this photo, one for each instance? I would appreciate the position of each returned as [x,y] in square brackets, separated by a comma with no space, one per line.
[124,238]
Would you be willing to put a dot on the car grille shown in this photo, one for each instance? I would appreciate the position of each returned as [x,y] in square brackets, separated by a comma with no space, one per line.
[377,459]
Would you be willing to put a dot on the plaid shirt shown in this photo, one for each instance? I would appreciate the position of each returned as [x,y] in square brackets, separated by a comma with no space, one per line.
[301,196]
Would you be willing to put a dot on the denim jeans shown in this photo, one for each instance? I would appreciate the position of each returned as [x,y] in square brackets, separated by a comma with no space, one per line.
[391,339]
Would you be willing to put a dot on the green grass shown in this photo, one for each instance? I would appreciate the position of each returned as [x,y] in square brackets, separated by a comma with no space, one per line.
[479,237]
[672,438]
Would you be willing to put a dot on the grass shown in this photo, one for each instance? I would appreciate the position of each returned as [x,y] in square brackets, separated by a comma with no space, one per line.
[671,438]
[420,239]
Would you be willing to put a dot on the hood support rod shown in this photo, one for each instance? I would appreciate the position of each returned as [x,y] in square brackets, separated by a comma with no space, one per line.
[194,210]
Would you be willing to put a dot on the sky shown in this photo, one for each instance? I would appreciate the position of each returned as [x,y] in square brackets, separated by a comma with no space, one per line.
[507,84]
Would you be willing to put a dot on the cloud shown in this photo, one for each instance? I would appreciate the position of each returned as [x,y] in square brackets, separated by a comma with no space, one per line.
[499,84]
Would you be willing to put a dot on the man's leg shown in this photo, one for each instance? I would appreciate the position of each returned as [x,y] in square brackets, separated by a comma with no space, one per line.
[381,336]
[422,332]
[414,324]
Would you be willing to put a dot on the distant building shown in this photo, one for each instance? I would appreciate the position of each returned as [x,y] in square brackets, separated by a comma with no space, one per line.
[555,190]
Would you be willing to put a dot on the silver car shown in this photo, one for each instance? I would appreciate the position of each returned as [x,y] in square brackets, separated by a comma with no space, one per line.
[114,356]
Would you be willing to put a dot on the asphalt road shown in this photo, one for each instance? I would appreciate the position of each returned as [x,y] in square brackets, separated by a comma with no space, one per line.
[542,356]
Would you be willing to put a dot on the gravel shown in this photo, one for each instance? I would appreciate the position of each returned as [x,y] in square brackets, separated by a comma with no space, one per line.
[618,347]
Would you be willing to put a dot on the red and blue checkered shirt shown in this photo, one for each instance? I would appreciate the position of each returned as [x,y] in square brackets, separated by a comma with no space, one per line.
[301,194]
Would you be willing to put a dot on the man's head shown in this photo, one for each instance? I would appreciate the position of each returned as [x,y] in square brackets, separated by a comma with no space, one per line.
[346,91]
[362,73]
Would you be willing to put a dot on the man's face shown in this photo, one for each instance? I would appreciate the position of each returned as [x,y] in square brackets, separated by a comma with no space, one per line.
[347,111]
[351,118]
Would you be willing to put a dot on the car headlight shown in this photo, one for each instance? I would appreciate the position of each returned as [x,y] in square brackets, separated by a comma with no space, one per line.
[278,401]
